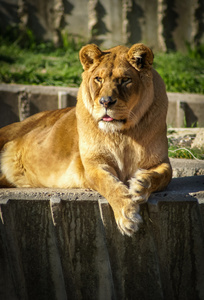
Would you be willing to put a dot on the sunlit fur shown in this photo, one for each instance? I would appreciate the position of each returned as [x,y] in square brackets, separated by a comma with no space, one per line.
[118,147]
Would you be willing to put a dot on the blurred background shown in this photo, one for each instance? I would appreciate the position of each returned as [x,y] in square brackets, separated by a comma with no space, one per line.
[40,39]
[161,24]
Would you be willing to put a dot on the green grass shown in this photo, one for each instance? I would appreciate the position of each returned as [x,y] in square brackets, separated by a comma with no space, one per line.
[187,153]
[181,73]
[44,64]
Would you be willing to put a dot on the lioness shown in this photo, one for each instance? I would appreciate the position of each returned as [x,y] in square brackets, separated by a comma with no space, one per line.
[114,141]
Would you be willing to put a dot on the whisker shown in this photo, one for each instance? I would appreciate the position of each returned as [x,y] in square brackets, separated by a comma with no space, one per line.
[132,115]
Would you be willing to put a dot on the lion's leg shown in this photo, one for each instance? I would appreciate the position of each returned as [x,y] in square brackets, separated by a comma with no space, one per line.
[4,183]
[104,179]
[147,181]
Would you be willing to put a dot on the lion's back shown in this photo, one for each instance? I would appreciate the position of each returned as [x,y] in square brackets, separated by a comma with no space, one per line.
[42,119]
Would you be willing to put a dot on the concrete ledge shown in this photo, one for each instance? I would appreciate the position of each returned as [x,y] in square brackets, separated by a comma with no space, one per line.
[187,167]
[185,110]
[18,101]
[64,244]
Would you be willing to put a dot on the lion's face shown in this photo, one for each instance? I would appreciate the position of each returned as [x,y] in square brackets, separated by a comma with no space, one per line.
[113,87]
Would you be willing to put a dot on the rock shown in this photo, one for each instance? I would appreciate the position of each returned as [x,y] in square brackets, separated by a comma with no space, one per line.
[182,137]
[198,142]
[187,167]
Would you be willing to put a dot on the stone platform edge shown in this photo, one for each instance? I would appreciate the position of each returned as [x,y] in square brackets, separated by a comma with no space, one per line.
[64,244]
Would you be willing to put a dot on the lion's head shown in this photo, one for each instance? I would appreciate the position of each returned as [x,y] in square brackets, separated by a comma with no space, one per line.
[117,87]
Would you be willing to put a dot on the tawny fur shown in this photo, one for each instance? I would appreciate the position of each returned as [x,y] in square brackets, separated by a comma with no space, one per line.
[117,148]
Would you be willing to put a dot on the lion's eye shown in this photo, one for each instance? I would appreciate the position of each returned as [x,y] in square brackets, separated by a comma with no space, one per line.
[125,80]
[98,79]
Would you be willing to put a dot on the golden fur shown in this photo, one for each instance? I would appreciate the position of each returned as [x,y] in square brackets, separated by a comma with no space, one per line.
[114,141]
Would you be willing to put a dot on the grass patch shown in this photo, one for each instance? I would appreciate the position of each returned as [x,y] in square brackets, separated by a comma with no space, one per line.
[187,153]
[40,65]
[181,146]
[45,65]
[181,73]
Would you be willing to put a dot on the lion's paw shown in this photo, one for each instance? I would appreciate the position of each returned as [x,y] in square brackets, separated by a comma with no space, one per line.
[139,186]
[128,222]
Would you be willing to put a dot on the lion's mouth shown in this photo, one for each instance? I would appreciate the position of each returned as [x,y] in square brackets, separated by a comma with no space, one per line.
[107,118]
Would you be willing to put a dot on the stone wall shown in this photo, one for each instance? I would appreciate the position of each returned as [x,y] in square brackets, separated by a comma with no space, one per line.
[161,24]
[64,244]
[19,101]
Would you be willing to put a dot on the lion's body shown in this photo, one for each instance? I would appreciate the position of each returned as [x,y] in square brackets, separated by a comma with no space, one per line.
[114,141]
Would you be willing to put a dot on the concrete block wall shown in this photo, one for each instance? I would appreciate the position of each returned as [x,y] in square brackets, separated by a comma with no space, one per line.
[19,101]
[161,24]
[185,110]
[64,244]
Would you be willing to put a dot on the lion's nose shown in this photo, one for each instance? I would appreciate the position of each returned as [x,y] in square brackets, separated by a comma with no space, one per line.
[107,101]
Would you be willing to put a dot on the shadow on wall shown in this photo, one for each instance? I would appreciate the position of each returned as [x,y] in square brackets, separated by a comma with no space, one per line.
[191,119]
[7,14]
[130,22]
[99,28]
[133,17]
[68,7]
[170,24]
[33,20]
[62,20]
[6,113]
[199,15]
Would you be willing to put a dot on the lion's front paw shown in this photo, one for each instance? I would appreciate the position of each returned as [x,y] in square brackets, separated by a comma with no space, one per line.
[129,219]
[140,186]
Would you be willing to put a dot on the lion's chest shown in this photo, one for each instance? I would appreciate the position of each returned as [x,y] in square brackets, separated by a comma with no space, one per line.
[125,157]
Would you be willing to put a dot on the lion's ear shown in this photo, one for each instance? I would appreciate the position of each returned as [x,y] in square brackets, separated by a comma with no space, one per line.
[140,56]
[88,54]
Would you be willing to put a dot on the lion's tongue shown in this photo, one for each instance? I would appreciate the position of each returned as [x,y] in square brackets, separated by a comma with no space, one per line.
[107,118]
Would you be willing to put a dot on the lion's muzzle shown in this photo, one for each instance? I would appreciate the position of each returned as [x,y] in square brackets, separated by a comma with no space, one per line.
[107,101]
